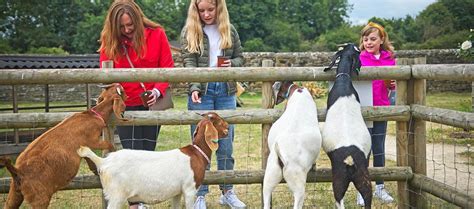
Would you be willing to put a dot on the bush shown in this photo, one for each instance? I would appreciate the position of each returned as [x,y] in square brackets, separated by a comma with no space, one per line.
[47,50]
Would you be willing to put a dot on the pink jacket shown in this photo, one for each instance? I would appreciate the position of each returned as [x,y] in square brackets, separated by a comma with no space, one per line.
[379,90]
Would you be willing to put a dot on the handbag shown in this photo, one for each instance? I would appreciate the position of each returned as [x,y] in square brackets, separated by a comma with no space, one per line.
[163,103]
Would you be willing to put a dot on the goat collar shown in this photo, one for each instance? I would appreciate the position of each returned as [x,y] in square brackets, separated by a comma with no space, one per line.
[202,153]
[288,91]
[98,115]
[340,74]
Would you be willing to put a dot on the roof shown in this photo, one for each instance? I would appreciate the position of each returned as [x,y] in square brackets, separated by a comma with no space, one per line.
[48,61]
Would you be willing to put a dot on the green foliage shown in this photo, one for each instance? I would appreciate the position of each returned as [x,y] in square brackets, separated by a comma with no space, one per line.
[466,51]
[255,45]
[86,41]
[47,50]
[264,25]
[5,48]
[447,41]
[329,41]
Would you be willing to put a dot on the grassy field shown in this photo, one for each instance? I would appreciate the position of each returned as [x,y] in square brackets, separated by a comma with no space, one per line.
[247,153]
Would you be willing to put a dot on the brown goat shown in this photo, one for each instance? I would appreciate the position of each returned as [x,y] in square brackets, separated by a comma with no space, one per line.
[50,162]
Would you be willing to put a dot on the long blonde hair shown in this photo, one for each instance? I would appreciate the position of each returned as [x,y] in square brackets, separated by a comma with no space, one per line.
[194,31]
[110,37]
[372,27]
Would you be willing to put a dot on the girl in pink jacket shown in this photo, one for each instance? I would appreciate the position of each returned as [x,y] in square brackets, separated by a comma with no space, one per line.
[377,51]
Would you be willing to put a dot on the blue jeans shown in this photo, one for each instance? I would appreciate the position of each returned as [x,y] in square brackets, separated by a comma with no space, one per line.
[392,97]
[216,98]
[378,132]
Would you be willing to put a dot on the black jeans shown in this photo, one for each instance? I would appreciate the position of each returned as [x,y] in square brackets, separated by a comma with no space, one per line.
[138,137]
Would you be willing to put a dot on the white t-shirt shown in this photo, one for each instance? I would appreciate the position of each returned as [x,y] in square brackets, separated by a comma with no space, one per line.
[212,33]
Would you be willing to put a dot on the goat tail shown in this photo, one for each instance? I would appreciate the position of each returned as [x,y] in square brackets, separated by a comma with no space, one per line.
[280,159]
[6,162]
[86,152]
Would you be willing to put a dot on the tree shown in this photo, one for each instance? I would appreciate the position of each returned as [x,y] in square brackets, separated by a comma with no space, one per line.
[435,20]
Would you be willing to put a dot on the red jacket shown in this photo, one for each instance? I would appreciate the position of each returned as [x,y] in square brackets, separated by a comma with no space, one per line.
[158,55]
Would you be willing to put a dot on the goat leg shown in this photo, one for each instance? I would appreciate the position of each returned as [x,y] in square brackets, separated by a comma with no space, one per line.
[92,166]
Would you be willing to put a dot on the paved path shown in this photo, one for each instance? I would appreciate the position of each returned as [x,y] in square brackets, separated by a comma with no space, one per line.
[443,164]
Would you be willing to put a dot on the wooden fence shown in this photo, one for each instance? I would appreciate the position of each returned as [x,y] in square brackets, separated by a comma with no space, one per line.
[409,113]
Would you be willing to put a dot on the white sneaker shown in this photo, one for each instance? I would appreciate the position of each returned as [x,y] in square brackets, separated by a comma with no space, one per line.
[200,203]
[382,194]
[142,206]
[230,199]
[360,200]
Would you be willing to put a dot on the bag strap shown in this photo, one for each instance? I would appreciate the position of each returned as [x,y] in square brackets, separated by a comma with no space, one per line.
[131,64]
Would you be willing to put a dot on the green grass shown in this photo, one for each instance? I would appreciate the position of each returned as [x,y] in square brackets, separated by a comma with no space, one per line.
[247,153]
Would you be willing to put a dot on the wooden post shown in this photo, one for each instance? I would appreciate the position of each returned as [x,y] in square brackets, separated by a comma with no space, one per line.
[267,103]
[411,137]
[402,146]
[88,96]
[418,132]
[472,97]
[46,98]
[108,133]
[15,110]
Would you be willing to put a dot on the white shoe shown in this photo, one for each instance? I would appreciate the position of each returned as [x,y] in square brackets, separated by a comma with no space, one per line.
[230,199]
[360,200]
[200,203]
[382,194]
[142,206]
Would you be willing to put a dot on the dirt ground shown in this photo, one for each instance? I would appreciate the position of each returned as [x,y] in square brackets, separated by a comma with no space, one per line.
[443,164]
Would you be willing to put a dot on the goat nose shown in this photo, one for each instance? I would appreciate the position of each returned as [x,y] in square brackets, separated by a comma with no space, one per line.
[226,131]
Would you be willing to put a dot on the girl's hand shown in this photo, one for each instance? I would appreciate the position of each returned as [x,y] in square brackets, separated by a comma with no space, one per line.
[153,97]
[195,97]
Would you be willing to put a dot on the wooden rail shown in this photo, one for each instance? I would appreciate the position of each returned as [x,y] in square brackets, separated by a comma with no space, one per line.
[177,117]
[175,75]
[243,177]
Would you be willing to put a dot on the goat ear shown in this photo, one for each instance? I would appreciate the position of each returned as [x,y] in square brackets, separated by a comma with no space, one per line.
[211,136]
[119,108]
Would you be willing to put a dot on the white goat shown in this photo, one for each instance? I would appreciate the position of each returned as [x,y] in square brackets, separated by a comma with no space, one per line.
[346,138]
[294,142]
[153,177]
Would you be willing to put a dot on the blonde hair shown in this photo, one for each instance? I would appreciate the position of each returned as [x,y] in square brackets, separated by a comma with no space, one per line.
[194,31]
[111,35]
[373,27]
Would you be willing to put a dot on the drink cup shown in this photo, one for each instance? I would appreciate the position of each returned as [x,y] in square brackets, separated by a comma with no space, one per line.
[221,59]
[145,96]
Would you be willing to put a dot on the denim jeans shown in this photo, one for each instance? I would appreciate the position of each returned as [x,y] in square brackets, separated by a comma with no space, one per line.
[392,96]
[138,137]
[378,132]
[216,98]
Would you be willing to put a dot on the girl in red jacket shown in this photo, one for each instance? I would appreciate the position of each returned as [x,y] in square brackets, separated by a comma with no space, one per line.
[127,31]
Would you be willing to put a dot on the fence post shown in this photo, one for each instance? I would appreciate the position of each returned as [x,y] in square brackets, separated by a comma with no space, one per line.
[402,146]
[267,103]
[108,133]
[15,110]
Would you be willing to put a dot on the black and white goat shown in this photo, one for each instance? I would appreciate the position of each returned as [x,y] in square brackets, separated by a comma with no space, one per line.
[294,142]
[346,138]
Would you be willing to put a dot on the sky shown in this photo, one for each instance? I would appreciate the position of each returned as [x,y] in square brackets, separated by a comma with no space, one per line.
[363,10]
